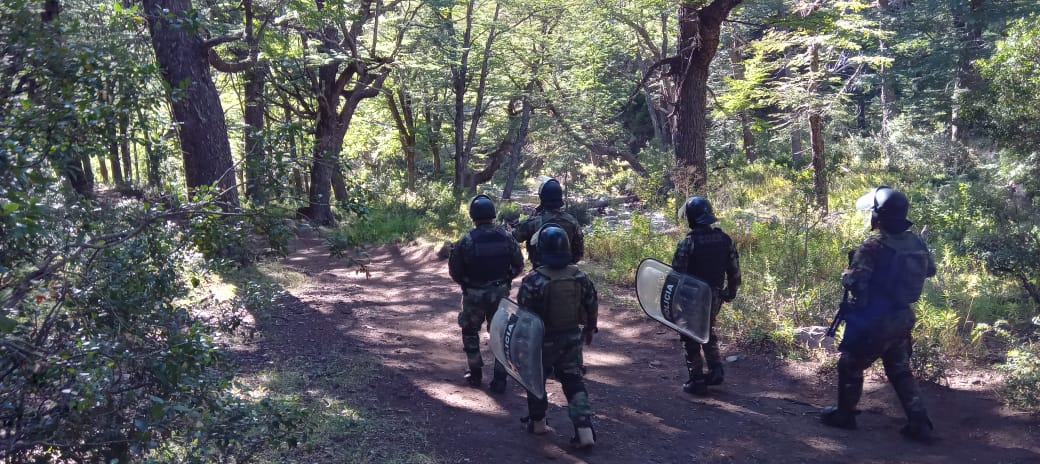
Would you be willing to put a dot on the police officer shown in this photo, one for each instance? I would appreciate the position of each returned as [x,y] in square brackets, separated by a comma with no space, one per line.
[484,262]
[885,276]
[550,197]
[708,254]
[565,299]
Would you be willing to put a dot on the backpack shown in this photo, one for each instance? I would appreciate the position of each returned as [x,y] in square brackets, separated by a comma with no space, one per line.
[907,270]
[561,308]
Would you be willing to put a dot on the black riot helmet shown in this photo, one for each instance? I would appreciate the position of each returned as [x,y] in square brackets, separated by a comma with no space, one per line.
[888,208]
[553,245]
[698,211]
[481,208]
[550,194]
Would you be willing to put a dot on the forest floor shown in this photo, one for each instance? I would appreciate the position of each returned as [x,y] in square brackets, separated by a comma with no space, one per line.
[382,352]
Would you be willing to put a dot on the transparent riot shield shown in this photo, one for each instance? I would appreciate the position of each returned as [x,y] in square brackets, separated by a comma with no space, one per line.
[681,302]
[516,341]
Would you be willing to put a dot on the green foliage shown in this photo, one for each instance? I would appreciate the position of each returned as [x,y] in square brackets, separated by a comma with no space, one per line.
[624,247]
[1022,381]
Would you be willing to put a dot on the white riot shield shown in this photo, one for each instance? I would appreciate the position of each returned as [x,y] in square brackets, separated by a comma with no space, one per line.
[679,301]
[516,341]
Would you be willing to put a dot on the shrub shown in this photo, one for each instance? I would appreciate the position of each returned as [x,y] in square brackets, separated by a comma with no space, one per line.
[1022,384]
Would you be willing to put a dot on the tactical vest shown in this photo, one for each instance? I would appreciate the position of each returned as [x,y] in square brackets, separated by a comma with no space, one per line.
[557,217]
[561,307]
[490,257]
[900,272]
[708,252]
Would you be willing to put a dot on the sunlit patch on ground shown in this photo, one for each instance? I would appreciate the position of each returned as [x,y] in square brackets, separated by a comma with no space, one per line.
[462,397]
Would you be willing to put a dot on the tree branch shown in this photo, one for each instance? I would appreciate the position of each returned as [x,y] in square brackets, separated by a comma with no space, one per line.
[219,64]
[221,40]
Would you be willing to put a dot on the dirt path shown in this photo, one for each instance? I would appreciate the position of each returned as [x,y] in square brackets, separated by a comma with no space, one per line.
[404,315]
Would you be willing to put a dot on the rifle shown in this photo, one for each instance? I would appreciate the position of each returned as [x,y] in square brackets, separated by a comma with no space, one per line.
[844,308]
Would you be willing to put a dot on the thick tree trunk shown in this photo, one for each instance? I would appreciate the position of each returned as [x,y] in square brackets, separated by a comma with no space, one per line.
[257,174]
[103,168]
[329,139]
[88,173]
[183,59]
[699,30]
[518,145]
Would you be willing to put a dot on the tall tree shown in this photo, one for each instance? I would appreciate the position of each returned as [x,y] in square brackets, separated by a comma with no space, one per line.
[346,68]
[700,25]
[202,130]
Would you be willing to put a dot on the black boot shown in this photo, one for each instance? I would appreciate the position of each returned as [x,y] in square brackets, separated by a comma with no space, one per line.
[715,375]
[836,417]
[919,428]
[696,386]
[498,384]
[473,377]
[850,388]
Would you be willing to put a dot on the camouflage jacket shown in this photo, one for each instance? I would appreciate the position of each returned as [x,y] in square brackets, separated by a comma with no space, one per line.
[526,230]
[712,264]
[461,266]
[860,278]
[532,295]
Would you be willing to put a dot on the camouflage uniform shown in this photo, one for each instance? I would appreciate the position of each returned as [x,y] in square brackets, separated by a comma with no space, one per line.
[527,229]
[877,326]
[484,283]
[561,347]
[708,254]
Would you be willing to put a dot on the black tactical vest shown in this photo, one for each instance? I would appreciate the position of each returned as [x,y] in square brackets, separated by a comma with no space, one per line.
[708,255]
[490,256]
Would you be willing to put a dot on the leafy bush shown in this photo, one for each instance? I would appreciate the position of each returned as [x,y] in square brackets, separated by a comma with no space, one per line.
[1022,381]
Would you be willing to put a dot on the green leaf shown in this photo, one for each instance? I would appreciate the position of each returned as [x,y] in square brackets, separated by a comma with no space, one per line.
[11,207]
[7,324]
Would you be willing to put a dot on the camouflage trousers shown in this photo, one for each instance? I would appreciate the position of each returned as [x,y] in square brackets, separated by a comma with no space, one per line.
[895,351]
[561,353]
[478,307]
[693,349]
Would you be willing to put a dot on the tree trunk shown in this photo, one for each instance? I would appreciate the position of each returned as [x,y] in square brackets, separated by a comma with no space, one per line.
[796,145]
[736,57]
[153,158]
[698,41]
[112,134]
[329,139]
[970,22]
[257,169]
[123,121]
[816,138]
[103,168]
[434,122]
[460,77]
[404,119]
[518,146]
[183,59]
[88,173]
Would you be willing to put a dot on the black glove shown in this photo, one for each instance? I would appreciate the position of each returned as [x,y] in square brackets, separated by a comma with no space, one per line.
[729,294]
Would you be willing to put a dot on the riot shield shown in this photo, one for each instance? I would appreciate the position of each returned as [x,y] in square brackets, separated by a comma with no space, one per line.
[516,341]
[679,301]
